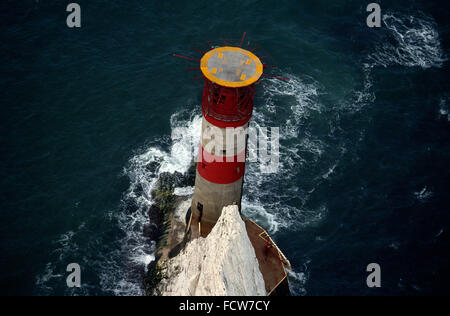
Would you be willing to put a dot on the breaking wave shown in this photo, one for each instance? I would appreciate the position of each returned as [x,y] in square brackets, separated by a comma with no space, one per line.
[143,171]
[303,101]
[412,41]
[297,148]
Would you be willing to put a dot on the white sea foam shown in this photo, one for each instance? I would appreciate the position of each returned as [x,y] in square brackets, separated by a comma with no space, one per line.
[411,41]
[43,279]
[64,247]
[302,99]
[143,171]
[299,148]
[423,194]
[329,172]
[414,41]
[443,109]
[66,250]
[273,211]
[185,191]
[297,280]
[366,95]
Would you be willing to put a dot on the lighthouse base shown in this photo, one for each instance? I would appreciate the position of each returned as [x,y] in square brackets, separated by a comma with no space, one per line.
[210,198]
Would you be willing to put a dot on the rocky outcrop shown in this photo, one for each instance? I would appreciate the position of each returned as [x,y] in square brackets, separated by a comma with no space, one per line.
[166,225]
[224,263]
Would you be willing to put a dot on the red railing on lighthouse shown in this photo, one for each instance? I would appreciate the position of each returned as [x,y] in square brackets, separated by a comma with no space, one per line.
[225,106]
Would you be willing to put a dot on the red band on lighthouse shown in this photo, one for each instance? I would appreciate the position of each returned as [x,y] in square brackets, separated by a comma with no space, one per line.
[218,170]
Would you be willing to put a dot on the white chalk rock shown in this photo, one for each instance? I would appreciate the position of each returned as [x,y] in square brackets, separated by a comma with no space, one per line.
[224,263]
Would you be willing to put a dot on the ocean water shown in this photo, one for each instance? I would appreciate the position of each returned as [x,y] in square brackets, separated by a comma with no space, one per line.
[90,117]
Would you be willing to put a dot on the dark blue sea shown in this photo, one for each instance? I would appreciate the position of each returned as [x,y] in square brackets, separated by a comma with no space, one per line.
[91,116]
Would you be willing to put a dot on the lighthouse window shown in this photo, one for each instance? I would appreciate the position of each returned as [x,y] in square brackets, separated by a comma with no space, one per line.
[237,169]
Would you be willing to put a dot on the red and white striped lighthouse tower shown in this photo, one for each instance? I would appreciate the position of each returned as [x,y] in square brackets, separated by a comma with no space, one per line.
[227,104]
[230,74]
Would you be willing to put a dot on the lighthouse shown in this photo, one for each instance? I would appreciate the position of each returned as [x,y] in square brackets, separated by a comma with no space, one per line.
[230,74]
